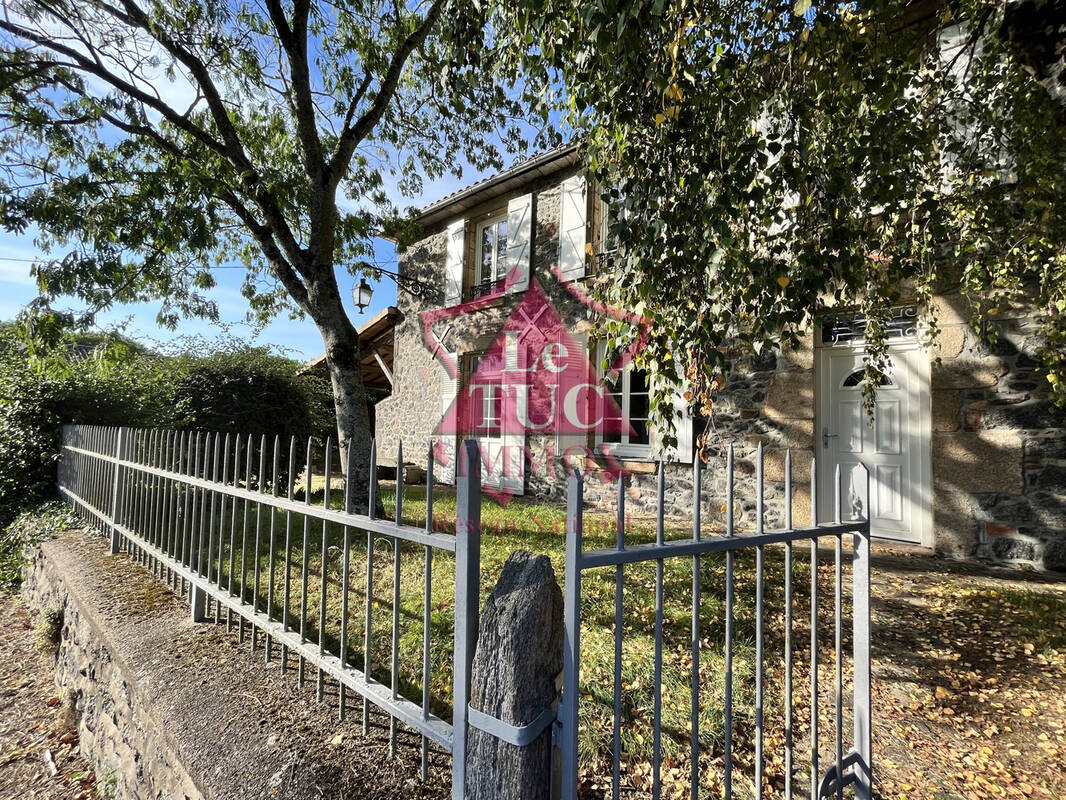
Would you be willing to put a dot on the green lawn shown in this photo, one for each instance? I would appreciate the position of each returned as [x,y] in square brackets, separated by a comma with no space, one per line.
[538,527]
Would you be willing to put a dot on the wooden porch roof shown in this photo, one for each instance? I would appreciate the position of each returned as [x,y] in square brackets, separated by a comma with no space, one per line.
[376,342]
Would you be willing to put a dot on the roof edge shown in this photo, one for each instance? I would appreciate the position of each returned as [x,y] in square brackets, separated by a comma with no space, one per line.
[437,210]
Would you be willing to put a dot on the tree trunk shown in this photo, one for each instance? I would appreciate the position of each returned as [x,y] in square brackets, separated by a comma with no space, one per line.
[349,397]
[353,424]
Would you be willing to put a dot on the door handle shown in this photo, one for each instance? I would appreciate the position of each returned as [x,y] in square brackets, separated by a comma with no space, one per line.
[826,436]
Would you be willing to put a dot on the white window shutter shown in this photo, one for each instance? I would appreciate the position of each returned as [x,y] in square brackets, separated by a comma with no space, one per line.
[682,451]
[573,221]
[511,361]
[567,439]
[519,253]
[682,428]
[449,387]
[513,477]
[453,264]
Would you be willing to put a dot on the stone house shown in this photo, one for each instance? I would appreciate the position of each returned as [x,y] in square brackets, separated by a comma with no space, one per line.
[966,455]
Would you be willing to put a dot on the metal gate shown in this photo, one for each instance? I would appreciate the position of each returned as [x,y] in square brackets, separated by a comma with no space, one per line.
[192,507]
[846,762]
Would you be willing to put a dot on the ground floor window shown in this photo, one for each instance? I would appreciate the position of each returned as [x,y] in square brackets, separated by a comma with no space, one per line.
[629,391]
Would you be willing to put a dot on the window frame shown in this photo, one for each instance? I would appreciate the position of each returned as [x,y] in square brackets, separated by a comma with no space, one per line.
[625,449]
[492,402]
[490,222]
[603,253]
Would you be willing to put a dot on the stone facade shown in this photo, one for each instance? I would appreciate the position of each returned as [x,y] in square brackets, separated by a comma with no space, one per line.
[999,449]
[998,452]
[168,709]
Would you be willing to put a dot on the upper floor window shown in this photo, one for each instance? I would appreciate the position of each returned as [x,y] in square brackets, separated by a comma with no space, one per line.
[604,246]
[491,244]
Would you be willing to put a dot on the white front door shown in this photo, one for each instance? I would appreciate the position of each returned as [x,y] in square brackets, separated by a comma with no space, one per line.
[894,445]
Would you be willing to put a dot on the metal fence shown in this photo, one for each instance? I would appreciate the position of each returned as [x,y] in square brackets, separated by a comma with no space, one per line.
[848,768]
[218,517]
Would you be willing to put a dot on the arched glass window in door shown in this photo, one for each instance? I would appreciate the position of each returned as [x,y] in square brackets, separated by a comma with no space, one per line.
[855,379]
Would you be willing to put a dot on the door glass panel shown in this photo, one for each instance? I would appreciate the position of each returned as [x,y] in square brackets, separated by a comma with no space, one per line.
[854,380]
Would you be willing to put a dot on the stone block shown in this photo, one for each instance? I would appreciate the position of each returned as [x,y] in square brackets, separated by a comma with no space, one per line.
[951,309]
[801,506]
[1018,413]
[999,529]
[968,373]
[1005,508]
[954,522]
[1055,554]
[990,461]
[802,356]
[1046,445]
[774,466]
[949,342]
[1014,549]
[946,406]
[790,396]
[796,433]
[1052,479]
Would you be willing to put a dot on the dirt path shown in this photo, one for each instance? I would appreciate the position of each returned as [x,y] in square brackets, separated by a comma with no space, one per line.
[38,744]
[970,681]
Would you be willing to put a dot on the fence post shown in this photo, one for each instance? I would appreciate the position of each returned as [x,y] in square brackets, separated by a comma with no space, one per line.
[467,599]
[572,630]
[120,446]
[198,595]
[512,696]
[197,604]
[861,701]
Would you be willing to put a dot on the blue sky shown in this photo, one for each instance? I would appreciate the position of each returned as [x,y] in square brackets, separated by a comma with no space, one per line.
[295,338]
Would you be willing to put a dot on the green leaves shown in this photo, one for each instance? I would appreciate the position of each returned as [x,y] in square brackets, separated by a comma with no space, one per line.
[818,157]
[192,134]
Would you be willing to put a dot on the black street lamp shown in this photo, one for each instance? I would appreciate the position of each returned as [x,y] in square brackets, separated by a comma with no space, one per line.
[363,293]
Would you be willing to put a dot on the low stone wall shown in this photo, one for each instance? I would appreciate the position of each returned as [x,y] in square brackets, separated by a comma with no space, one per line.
[172,710]
[128,745]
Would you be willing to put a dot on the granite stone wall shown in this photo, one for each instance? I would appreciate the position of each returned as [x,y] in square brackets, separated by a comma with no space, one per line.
[133,753]
[999,449]
[415,408]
